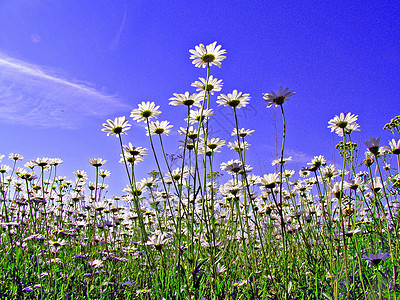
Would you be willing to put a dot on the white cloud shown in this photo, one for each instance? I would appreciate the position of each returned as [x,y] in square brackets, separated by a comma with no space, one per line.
[33,97]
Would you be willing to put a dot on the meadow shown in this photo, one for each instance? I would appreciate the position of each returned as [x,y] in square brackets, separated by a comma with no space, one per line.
[188,232]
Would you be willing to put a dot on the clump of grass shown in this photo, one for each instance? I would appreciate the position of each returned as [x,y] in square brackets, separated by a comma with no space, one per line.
[186,232]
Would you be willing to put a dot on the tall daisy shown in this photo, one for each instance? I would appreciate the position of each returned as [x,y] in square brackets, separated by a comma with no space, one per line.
[213,85]
[277,98]
[186,99]
[158,127]
[146,110]
[209,55]
[236,99]
[344,123]
[118,126]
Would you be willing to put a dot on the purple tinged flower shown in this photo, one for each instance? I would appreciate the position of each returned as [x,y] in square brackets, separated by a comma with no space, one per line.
[376,258]
[27,289]
[127,283]
[373,145]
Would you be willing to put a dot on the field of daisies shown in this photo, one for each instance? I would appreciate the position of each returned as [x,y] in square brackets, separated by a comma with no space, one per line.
[326,232]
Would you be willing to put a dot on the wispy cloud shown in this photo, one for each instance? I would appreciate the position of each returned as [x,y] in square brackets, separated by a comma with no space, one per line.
[34,97]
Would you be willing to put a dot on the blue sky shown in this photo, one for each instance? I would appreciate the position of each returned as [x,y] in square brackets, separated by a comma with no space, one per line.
[67,66]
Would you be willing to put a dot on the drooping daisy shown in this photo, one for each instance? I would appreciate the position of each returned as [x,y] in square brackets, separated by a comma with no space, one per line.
[186,99]
[375,184]
[344,123]
[236,99]
[158,127]
[213,85]
[146,110]
[118,126]
[277,98]
[209,55]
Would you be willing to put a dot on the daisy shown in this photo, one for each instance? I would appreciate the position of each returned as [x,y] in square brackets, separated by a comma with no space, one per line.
[150,181]
[41,162]
[213,85]
[232,166]
[207,56]
[4,169]
[231,188]
[235,146]
[80,174]
[117,127]
[269,181]
[344,124]
[279,161]
[304,172]
[241,132]
[394,146]
[236,99]
[158,241]
[199,115]
[137,189]
[130,158]
[191,132]
[104,173]
[15,157]
[373,145]
[278,98]
[375,185]
[329,172]
[147,110]
[158,127]
[215,144]
[55,161]
[317,162]
[186,99]
[97,162]
[375,259]
[177,174]
[135,151]
[356,183]
[189,145]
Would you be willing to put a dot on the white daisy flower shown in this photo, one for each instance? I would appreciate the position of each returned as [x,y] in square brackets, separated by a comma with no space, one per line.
[209,55]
